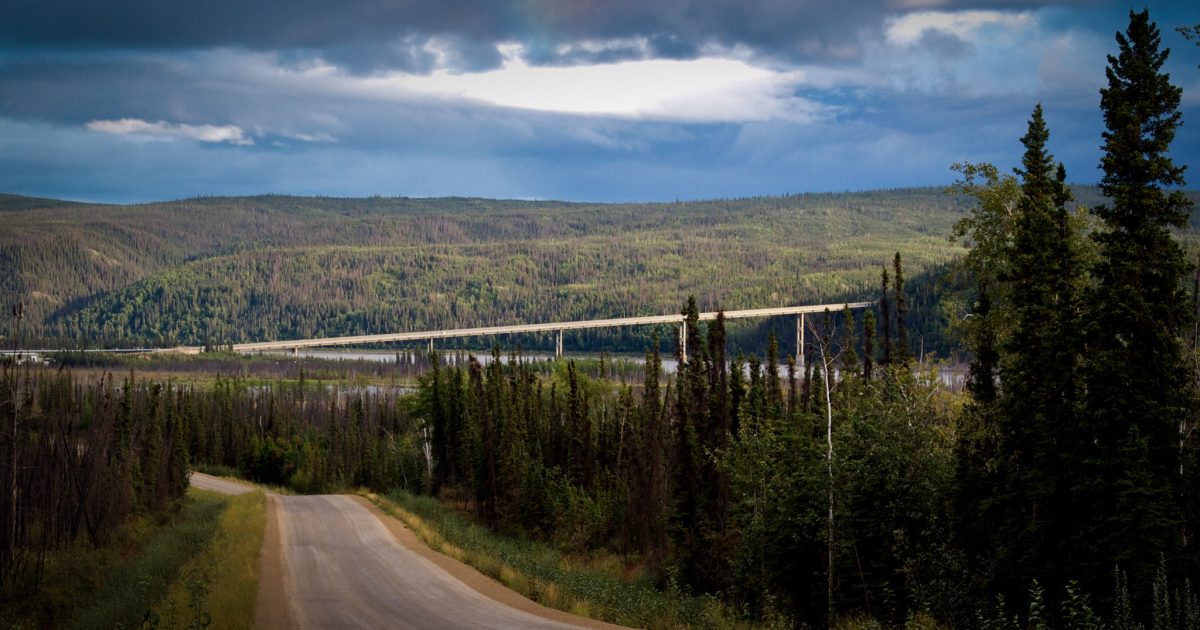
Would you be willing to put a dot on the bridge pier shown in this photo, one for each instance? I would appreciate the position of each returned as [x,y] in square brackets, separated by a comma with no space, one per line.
[558,345]
[431,345]
[800,342]
[683,341]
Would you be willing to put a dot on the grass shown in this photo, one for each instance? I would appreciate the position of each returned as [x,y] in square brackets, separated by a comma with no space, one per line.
[217,588]
[198,569]
[130,589]
[601,586]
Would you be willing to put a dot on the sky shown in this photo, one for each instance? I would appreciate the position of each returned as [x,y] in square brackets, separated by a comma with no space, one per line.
[583,100]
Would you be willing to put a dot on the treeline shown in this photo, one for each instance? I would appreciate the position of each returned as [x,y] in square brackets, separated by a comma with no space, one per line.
[284,267]
[311,438]
[79,458]
[277,295]
[812,494]
[1067,494]
[83,456]
[1079,463]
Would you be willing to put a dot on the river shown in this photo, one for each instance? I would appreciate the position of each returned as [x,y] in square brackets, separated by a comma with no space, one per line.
[952,376]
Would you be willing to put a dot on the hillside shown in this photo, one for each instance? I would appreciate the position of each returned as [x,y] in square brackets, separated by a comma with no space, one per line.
[270,267]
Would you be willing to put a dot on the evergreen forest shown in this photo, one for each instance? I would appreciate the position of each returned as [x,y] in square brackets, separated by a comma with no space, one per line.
[215,271]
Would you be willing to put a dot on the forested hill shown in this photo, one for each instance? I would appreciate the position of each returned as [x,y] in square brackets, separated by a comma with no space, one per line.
[273,267]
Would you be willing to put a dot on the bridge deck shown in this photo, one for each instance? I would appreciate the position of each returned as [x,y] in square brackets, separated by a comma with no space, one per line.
[488,331]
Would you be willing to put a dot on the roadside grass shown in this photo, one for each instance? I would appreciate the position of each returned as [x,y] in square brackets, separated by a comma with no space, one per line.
[602,586]
[217,588]
[862,621]
[128,590]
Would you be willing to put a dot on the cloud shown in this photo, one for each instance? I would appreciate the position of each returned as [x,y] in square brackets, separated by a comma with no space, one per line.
[1027,55]
[943,44]
[699,90]
[573,99]
[909,29]
[267,95]
[161,129]
[319,136]
[367,36]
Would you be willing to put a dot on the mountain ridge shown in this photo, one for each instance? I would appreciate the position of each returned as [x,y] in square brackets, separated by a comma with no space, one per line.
[267,267]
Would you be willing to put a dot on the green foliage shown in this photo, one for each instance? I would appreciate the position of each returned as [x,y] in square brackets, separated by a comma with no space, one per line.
[778,488]
[82,457]
[558,579]
[894,475]
[311,439]
[1077,612]
[1134,373]
[132,590]
[212,271]
[586,465]
[1124,617]
[1072,455]
[219,586]
[1035,413]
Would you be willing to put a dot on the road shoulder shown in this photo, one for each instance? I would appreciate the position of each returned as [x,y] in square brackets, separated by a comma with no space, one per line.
[468,575]
[271,609]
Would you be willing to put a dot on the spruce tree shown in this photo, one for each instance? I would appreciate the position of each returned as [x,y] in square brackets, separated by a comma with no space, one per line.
[1136,379]
[868,343]
[849,356]
[900,353]
[885,317]
[775,403]
[737,393]
[648,482]
[1038,376]
[435,410]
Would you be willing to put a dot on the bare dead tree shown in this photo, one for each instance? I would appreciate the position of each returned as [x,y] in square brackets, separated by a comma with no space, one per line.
[826,356]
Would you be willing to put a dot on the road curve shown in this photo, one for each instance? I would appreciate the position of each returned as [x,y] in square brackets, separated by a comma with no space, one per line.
[217,484]
[346,570]
[336,564]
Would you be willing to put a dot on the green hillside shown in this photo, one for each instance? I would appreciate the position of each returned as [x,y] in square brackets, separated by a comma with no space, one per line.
[272,267]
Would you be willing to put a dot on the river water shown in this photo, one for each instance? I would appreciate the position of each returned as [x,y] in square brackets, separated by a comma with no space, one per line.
[952,376]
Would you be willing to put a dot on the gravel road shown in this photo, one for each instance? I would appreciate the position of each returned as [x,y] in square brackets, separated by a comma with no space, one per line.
[334,561]
[216,484]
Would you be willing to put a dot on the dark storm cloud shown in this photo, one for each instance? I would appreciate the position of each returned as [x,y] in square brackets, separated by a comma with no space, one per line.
[74,91]
[377,34]
[943,44]
[286,117]
[136,100]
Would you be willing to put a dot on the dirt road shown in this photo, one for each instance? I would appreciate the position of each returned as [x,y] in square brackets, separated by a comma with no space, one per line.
[216,484]
[334,561]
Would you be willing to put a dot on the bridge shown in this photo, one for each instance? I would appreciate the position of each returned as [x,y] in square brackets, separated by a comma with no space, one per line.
[550,327]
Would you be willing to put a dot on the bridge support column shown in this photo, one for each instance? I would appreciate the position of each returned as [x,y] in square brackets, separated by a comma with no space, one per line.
[683,341]
[295,351]
[431,345]
[800,342]
[558,346]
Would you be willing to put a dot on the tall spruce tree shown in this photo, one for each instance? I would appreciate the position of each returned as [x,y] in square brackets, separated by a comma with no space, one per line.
[885,317]
[1136,378]
[850,365]
[1038,379]
[900,352]
[868,343]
